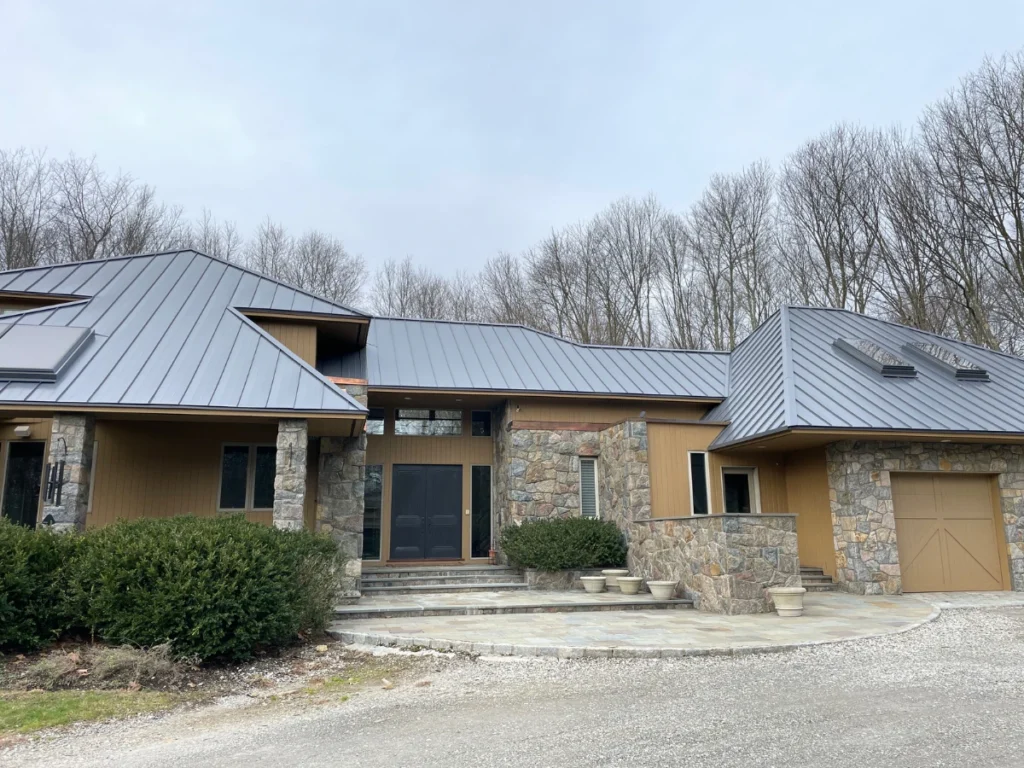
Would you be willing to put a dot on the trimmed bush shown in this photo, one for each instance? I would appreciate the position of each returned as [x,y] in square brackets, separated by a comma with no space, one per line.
[215,588]
[564,543]
[33,611]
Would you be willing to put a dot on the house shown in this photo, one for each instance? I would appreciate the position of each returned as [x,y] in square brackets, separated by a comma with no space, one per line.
[175,383]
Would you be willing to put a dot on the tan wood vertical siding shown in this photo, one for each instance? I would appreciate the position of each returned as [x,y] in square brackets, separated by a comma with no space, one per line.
[807,486]
[771,476]
[300,339]
[463,450]
[146,469]
[596,411]
[668,453]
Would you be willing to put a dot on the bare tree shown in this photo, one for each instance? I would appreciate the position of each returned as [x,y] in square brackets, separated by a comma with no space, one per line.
[825,193]
[215,238]
[25,208]
[319,263]
[269,251]
[506,292]
[89,205]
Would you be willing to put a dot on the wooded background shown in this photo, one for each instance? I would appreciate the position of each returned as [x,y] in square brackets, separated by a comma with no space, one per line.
[922,226]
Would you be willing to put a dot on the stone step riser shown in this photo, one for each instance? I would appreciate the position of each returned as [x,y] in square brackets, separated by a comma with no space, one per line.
[440,573]
[401,613]
[442,581]
[821,587]
[443,589]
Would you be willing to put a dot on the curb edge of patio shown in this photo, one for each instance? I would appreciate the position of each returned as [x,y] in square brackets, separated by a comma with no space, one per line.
[597,652]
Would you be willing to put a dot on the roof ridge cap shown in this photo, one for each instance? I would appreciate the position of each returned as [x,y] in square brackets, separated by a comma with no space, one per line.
[788,387]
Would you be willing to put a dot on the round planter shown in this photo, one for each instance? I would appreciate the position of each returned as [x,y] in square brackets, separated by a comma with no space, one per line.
[593,584]
[611,576]
[662,590]
[630,585]
[789,601]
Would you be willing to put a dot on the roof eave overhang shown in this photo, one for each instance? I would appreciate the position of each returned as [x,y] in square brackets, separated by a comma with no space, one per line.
[852,433]
[207,411]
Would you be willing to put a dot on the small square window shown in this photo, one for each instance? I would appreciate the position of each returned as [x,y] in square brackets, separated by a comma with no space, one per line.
[247,477]
[481,423]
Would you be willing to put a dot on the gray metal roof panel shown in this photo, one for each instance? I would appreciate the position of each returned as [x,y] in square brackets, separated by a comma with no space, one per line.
[429,354]
[826,388]
[168,334]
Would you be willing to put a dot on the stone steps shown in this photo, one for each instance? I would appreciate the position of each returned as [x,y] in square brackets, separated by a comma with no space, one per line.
[816,580]
[410,580]
[542,605]
[470,586]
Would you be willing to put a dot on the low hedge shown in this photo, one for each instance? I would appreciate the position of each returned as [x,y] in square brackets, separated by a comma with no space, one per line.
[564,543]
[33,611]
[215,588]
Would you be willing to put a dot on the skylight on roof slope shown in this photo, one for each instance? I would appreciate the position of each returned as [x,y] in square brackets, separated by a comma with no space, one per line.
[962,368]
[38,352]
[876,357]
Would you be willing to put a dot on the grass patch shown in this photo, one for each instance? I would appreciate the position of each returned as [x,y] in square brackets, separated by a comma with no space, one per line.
[26,712]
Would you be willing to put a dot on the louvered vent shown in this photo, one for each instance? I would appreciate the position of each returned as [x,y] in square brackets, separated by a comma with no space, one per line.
[588,487]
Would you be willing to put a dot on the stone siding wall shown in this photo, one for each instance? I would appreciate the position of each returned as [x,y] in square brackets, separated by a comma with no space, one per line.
[290,475]
[71,441]
[339,508]
[538,471]
[863,518]
[624,473]
[724,563]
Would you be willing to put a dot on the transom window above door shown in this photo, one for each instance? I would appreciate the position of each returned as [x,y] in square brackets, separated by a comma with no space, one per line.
[428,422]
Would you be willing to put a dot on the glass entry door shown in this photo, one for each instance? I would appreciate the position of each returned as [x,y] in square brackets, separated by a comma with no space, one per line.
[22,479]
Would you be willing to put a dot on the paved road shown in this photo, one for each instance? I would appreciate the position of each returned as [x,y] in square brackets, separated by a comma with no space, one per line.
[948,694]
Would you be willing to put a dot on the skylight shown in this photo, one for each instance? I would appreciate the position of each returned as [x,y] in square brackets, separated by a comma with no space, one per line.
[38,352]
[876,357]
[962,368]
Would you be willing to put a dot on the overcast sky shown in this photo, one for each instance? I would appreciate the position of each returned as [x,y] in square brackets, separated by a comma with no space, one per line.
[452,130]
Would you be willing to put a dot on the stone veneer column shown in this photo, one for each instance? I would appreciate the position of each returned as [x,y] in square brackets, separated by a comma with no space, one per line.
[863,518]
[340,497]
[290,477]
[71,441]
[625,476]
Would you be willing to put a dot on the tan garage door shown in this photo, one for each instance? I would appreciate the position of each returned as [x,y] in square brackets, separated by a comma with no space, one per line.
[946,532]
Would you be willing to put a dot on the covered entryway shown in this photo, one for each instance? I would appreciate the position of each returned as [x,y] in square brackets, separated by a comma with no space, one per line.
[426,514]
[947,532]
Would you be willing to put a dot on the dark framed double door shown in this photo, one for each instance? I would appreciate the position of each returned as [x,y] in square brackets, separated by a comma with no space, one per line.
[426,512]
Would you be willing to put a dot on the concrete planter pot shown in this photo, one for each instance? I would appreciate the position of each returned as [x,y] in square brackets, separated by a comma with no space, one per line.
[662,590]
[789,601]
[593,584]
[630,585]
[612,575]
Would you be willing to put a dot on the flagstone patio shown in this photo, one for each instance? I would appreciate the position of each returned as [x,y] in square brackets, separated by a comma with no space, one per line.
[828,618]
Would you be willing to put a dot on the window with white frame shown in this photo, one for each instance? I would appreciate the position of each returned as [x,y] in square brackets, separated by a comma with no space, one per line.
[700,504]
[588,488]
[247,477]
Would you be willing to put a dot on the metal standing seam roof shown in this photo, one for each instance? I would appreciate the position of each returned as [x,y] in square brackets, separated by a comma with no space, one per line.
[812,384]
[168,333]
[436,354]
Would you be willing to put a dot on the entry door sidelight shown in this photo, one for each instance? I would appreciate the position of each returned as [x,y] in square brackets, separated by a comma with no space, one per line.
[426,512]
[22,480]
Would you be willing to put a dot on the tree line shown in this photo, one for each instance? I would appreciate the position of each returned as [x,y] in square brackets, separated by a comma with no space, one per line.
[922,226]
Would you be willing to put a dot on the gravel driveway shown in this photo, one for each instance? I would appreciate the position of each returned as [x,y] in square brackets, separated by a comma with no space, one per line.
[947,694]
